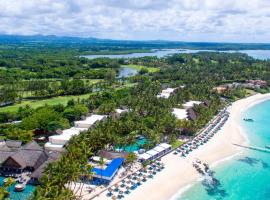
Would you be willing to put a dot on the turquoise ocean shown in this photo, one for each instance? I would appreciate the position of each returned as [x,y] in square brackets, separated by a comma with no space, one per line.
[245,176]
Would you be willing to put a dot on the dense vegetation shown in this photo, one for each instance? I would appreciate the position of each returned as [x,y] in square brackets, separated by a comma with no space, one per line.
[148,115]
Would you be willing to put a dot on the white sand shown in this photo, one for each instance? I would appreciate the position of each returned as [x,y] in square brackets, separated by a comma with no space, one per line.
[179,172]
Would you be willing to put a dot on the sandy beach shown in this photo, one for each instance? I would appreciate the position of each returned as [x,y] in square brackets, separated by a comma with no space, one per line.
[179,172]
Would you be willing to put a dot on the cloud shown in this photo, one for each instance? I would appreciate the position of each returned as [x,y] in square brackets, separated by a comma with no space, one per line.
[188,20]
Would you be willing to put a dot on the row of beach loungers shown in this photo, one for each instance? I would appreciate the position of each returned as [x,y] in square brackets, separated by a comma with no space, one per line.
[205,136]
[133,181]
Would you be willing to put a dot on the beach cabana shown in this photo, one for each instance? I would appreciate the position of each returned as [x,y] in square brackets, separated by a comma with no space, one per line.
[144,157]
[160,150]
[106,175]
[166,147]
[154,154]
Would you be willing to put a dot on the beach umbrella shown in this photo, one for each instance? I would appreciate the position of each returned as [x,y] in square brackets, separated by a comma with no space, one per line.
[127,192]
[109,194]
[114,197]
[150,176]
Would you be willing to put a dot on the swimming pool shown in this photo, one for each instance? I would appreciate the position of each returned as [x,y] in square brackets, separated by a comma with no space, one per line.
[135,147]
[24,195]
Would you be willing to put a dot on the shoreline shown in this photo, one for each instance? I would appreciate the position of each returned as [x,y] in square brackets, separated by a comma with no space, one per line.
[179,174]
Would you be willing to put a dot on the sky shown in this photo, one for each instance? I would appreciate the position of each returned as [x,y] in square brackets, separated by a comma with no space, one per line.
[177,20]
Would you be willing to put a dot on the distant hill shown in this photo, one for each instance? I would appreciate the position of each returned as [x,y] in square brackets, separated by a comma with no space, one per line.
[77,41]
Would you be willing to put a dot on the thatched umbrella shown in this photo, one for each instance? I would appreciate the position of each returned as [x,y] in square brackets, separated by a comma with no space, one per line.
[122,185]
[138,181]
[144,178]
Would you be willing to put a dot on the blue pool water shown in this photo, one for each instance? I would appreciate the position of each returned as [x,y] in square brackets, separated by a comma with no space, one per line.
[135,147]
[247,176]
[24,195]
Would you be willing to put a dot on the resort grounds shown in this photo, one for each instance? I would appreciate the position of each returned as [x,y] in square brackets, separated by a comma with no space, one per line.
[173,173]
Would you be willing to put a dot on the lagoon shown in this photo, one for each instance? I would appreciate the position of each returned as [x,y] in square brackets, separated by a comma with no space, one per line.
[257,54]
[159,53]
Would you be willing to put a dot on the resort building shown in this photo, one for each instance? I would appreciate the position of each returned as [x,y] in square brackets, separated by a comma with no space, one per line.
[180,114]
[16,159]
[110,155]
[258,83]
[106,175]
[220,89]
[120,111]
[57,142]
[155,153]
[166,93]
[249,84]
[184,114]
[89,121]
[191,104]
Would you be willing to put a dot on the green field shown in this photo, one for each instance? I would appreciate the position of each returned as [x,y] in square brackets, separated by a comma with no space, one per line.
[139,67]
[38,103]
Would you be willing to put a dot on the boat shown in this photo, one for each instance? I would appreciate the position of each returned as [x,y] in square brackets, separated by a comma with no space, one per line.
[248,120]
[19,187]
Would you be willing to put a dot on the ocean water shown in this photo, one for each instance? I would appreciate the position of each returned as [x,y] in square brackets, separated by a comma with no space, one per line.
[247,175]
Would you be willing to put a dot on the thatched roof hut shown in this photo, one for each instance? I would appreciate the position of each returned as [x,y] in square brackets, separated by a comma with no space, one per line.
[112,155]
[191,114]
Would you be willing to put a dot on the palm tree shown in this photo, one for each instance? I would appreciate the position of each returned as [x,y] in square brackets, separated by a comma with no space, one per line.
[88,174]
[101,163]
[131,157]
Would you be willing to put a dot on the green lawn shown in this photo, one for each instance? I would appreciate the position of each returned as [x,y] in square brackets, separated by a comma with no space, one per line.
[92,81]
[38,103]
[139,67]
[176,144]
